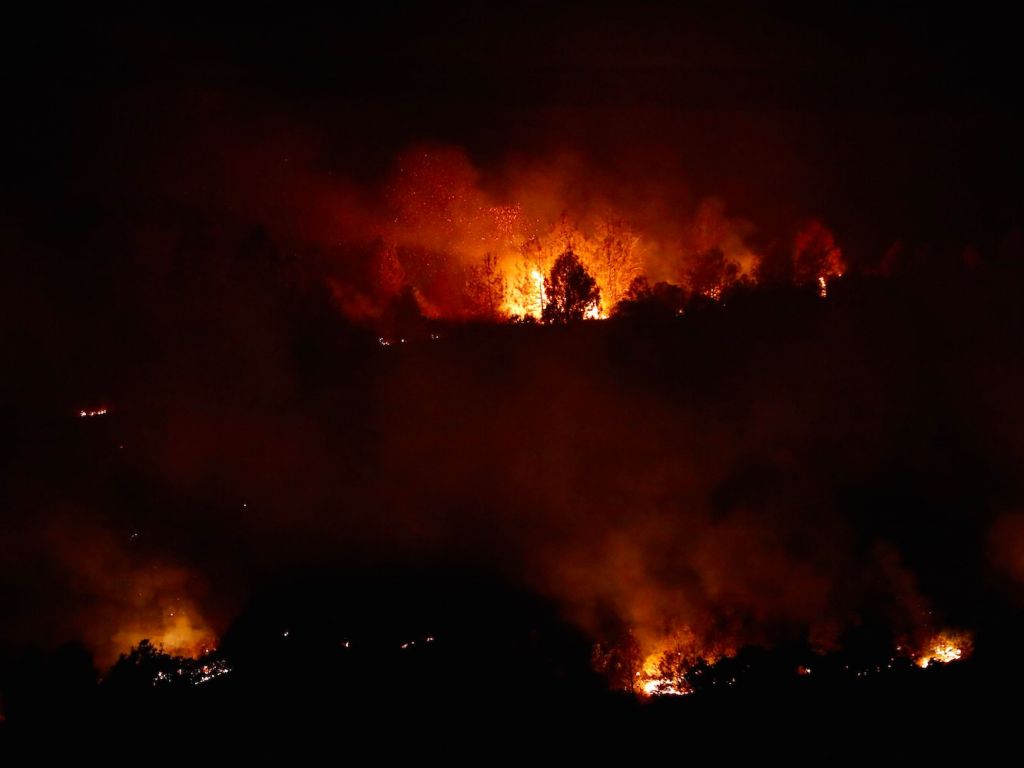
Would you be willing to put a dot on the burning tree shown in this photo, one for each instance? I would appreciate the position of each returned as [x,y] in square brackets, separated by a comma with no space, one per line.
[616,261]
[525,297]
[570,291]
[527,294]
[485,288]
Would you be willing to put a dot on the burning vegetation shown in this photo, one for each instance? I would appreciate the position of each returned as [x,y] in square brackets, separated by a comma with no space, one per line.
[536,255]
[944,648]
[685,665]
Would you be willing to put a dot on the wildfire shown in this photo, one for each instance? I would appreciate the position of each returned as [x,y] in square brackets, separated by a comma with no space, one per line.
[193,671]
[714,293]
[944,648]
[210,671]
[679,665]
[466,255]
[538,281]
[651,680]
[525,297]
[179,632]
[662,687]
[664,665]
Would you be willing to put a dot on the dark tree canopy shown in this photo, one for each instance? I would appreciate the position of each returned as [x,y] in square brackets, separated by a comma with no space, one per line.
[141,666]
[570,292]
[710,273]
[639,289]
[662,301]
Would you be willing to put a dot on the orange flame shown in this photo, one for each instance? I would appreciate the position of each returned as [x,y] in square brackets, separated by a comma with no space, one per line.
[946,647]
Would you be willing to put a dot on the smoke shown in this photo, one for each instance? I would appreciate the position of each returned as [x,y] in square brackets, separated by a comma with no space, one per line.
[761,475]
[424,217]
[120,598]
[85,581]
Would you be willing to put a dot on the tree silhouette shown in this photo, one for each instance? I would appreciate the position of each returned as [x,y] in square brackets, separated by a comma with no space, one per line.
[642,301]
[639,289]
[485,288]
[141,668]
[619,662]
[570,291]
[403,316]
[711,273]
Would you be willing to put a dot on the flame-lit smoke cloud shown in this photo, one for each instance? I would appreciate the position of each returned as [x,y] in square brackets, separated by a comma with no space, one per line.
[439,216]
[130,598]
[431,214]
[108,591]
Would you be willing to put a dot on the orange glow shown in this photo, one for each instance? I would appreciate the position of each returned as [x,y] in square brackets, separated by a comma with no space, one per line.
[945,648]
[670,662]
[132,597]
[652,679]
[537,281]
[817,257]
[674,665]
[442,218]
[177,632]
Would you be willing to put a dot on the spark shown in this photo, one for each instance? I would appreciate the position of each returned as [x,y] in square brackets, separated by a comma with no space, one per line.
[193,672]
[210,671]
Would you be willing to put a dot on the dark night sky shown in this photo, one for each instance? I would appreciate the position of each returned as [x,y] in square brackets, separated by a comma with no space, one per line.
[887,121]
